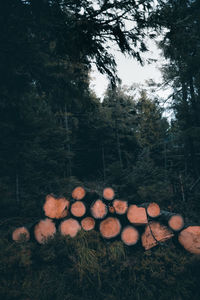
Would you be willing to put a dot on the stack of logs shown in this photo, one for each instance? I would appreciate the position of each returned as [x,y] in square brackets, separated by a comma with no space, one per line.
[146,223]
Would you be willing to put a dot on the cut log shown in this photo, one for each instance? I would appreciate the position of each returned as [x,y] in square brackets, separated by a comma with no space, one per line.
[43,230]
[153,210]
[111,209]
[98,209]
[78,209]
[110,227]
[108,193]
[56,208]
[130,235]
[70,227]
[21,234]
[120,206]
[88,223]
[154,234]
[78,193]
[137,215]
[189,238]
[174,221]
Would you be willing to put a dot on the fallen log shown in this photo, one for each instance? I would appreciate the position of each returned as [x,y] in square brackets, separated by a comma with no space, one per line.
[56,208]
[78,193]
[69,227]
[21,234]
[137,215]
[108,194]
[189,238]
[173,220]
[130,235]
[98,209]
[120,206]
[78,209]
[44,230]
[110,227]
[154,234]
[88,223]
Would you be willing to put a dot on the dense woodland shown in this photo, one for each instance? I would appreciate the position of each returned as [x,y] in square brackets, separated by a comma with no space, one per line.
[57,134]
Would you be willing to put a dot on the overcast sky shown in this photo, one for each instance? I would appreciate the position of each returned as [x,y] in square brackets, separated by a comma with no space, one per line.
[130,71]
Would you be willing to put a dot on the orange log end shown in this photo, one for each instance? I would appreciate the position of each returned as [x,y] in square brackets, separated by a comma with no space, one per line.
[130,235]
[78,209]
[120,206]
[155,233]
[70,227]
[110,228]
[108,193]
[137,215]
[98,209]
[56,208]
[78,193]
[88,223]
[189,238]
[21,234]
[176,222]
[153,210]
[111,209]
[44,230]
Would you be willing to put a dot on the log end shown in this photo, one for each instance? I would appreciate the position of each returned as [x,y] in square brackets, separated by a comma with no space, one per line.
[120,206]
[88,223]
[78,209]
[189,238]
[111,209]
[56,208]
[154,234]
[108,193]
[43,230]
[130,236]
[21,234]
[137,215]
[153,210]
[78,193]
[110,227]
[98,209]
[70,227]
[176,222]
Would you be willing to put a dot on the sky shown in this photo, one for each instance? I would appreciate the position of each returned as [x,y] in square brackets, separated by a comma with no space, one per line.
[130,71]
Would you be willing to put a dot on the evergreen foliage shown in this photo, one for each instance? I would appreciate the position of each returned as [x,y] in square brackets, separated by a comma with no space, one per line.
[56,134]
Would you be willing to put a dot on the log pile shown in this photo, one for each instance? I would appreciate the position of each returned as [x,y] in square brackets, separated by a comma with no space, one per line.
[113,218]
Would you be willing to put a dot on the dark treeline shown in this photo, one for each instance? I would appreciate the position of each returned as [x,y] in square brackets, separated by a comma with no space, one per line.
[56,133]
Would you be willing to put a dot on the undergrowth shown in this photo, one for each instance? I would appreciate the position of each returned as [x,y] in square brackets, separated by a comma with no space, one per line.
[87,267]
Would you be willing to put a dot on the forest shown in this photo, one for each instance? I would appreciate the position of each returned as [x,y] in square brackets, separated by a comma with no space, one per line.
[57,134]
